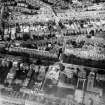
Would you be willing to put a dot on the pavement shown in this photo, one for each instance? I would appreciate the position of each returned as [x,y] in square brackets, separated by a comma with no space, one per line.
[55,90]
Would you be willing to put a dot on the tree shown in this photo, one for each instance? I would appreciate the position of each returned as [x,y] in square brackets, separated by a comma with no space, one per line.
[26,36]
[5,14]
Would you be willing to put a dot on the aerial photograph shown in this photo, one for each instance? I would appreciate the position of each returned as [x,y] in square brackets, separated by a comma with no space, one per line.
[52,52]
